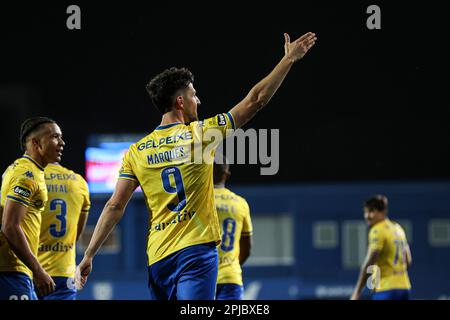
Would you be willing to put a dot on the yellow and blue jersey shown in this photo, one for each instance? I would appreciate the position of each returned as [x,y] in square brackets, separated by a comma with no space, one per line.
[235,221]
[174,167]
[68,198]
[389,239]
[23,182]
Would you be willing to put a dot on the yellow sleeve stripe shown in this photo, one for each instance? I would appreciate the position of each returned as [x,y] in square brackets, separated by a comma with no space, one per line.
[128,177]
[247,233]
[19,200]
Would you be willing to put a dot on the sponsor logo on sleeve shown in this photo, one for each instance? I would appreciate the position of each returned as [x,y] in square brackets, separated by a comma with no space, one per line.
[22,192]
[221,120]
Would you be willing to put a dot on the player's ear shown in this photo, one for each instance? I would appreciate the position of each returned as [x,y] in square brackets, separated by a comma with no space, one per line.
[35,142]
[179,102]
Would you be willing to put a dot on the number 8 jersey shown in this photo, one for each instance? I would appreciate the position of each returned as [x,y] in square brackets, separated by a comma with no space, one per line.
[174,167]
[235,221]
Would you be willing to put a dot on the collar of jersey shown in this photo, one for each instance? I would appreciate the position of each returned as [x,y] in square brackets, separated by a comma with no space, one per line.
[167,126]
[32,160]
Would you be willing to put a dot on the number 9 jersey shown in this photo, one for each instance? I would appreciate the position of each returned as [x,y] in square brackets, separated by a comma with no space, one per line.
[174,167]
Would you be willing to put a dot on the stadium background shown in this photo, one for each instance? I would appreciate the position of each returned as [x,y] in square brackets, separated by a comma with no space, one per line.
[363,113]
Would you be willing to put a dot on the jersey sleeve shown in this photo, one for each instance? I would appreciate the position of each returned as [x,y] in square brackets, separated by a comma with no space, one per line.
[126,171]
[247,227]
[400,230]
[21,188]
[85,192]
[376,239]
[221,125]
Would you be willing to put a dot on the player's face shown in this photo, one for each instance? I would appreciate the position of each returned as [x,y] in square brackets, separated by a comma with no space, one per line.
[369,216]
[51,143]
[190,103]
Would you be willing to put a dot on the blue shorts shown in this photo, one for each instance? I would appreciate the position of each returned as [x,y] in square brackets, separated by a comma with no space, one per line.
[229,291]
[64,290]
[392,295]
[16,286]
[188,274]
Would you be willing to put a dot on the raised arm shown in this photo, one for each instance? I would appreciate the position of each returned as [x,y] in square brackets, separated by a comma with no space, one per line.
[262,92]
[111,215]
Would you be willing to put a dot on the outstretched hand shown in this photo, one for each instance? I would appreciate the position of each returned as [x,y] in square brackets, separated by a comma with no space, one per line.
[297,49]
[82,272]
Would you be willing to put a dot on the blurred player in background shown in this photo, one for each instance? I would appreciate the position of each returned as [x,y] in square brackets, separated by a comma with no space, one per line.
[63,221]
[236,230]
[388,250]
[183,226]
[23,198]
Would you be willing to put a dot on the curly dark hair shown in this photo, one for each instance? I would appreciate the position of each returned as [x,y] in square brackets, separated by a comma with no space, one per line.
[377,202]
[163,87]
[29,126]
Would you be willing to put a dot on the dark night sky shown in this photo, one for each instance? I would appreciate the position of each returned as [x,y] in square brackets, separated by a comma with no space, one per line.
[362,105]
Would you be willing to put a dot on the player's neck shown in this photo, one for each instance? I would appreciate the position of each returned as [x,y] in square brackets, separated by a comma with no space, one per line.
[172,117]
[380,220]
[220,185]
[36,158]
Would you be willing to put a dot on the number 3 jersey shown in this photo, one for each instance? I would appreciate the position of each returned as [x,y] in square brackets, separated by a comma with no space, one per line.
[23,182]
[389,239]
[174,167]
[234,217]
[68,198]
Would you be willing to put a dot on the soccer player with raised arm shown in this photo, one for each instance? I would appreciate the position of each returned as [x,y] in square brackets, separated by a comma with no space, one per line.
[183,230]
[23,198]
[388,251]
[236,231]
[63,221]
